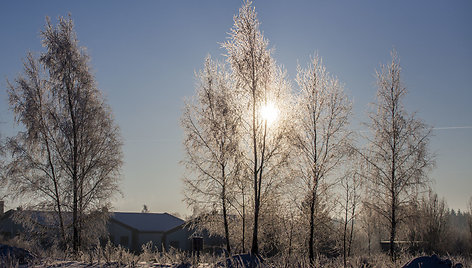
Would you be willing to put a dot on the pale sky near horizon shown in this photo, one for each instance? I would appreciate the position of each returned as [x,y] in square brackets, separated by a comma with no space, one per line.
[144,55]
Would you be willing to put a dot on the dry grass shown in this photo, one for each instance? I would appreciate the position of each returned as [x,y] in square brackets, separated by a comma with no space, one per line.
[117,256]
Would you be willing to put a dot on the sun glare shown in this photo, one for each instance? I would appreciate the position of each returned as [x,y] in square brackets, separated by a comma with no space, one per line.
[269,112]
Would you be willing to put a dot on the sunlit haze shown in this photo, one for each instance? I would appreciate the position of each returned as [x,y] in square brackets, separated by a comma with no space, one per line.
[269,112]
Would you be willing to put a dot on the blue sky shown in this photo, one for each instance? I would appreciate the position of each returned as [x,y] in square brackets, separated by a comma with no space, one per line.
[144,55]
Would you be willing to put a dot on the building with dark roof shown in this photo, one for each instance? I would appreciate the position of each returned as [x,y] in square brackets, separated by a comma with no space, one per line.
[133,230]
[128,229]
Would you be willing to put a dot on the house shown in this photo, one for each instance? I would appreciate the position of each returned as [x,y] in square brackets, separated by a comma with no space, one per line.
[30,224]
[133,230]
[128,229]
[8,228]
[412,246]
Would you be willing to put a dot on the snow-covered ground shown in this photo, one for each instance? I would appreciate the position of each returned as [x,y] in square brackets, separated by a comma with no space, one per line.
[77,264]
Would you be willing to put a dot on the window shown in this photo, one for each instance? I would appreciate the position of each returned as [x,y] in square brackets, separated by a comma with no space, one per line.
[174,244]
[5,235]
[124,240]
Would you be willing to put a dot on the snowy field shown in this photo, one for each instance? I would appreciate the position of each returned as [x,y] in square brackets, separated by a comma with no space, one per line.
[77,264]
[373,261]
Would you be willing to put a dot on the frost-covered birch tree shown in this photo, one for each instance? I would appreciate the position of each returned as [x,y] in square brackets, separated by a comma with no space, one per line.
[323,137]
[469,208]
[350,185]
[369,224]
[2,168]
[211,124]
[433,219]
[2,155]
[68,157]
[398,154]
[264,93]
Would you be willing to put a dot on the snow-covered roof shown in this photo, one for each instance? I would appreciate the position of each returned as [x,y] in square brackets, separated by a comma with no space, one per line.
[148,222]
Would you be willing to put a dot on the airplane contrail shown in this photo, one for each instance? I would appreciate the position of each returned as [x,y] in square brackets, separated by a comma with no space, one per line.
[150,140]
[459,127]
[434,128]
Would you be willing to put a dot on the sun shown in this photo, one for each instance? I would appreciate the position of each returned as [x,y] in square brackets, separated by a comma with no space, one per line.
[269,113]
